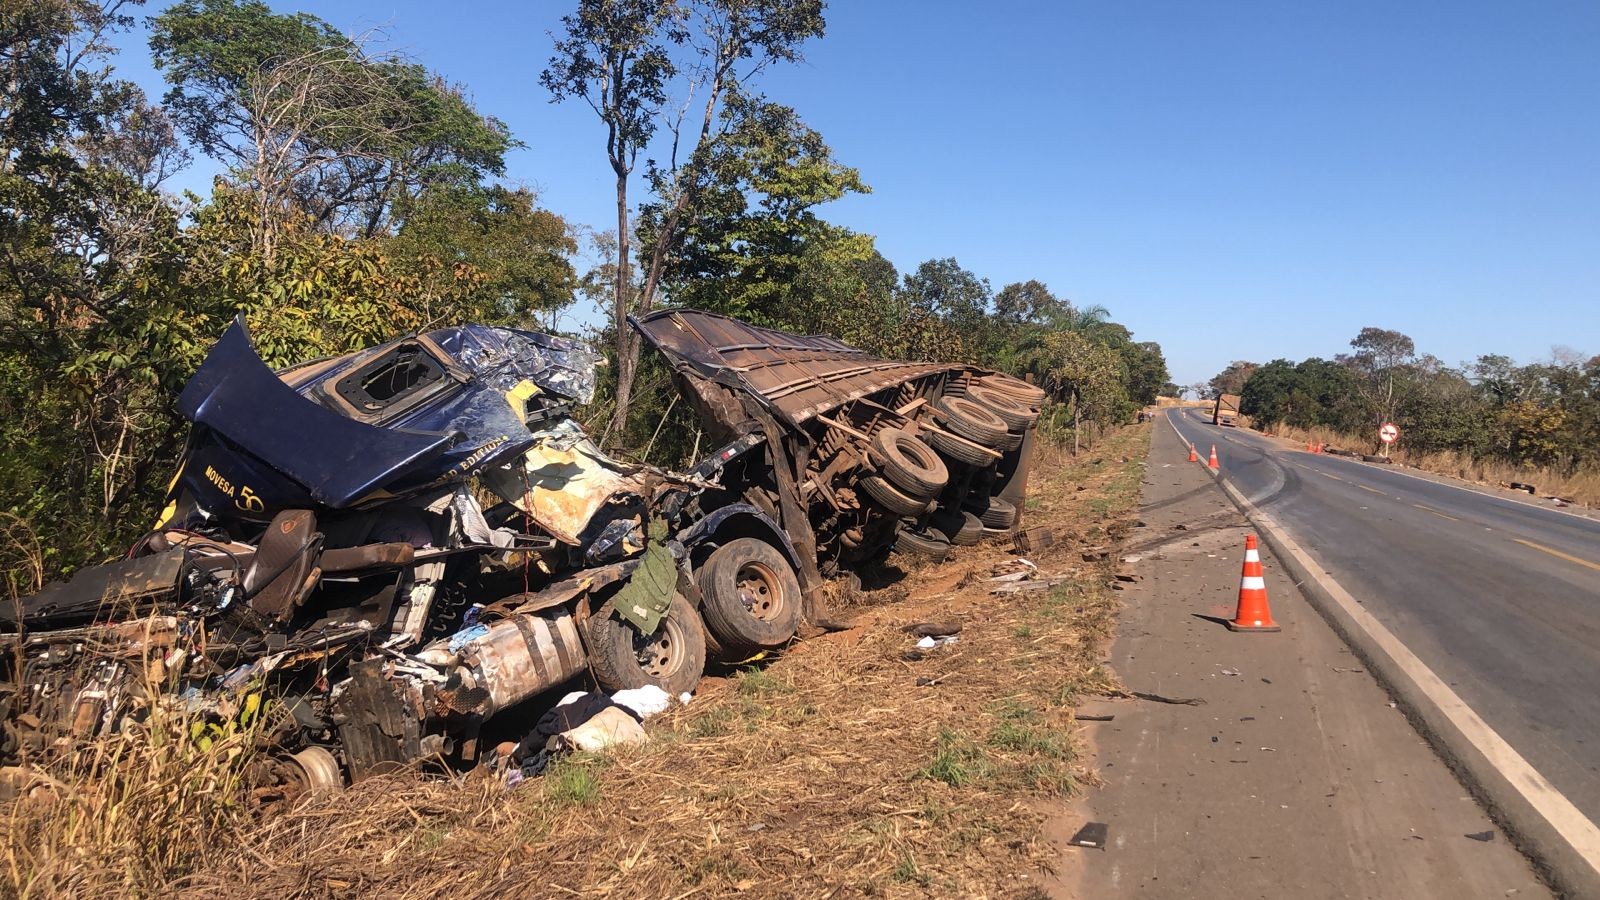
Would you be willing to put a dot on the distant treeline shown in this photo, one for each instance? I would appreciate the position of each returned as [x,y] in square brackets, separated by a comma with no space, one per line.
[1542,414]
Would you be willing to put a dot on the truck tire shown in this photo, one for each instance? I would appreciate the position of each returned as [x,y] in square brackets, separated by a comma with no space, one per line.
[1030,394]
[961,450]
[963,529]
[1012,441]
[909,464]
[970,420]
[751,597]
[1014,412]
[673,658]
[926,544]
[890,498]
[1000,514]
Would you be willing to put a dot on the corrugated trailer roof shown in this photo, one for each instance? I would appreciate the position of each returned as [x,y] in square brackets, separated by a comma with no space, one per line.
[798,376]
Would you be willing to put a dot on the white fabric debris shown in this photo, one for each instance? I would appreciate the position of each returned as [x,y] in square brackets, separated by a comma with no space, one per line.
[646,701]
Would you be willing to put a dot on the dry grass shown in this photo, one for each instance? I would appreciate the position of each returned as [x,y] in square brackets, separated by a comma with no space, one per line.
[124,815]
[843,768]
[1582,487]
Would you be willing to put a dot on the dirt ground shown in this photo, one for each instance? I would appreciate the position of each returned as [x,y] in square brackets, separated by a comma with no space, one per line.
[849,765]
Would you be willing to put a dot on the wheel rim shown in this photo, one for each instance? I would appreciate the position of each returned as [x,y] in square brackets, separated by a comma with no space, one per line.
[759,591]
[661,654]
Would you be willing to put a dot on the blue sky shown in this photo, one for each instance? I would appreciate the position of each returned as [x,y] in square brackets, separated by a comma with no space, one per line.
[1233,180]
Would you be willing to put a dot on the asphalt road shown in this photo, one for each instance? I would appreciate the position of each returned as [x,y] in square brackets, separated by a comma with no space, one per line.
[1500,598]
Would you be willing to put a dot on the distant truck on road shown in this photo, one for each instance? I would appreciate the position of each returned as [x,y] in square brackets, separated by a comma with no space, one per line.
[1226,410]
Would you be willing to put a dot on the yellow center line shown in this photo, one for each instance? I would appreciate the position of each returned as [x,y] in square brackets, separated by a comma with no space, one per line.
[1557,553]
[1435,512]
[1326,475]
[1372,489]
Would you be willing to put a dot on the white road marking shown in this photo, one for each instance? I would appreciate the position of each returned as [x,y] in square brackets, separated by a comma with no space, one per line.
[1580,833]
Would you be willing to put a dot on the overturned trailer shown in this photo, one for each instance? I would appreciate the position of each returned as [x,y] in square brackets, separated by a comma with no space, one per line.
[398,548]
[861,454]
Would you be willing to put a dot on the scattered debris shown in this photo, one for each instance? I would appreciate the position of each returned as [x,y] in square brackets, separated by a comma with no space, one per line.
[645,702]
[932,629]
[933,643]
[608,728]
[1483,836]
[1157,698]
[1014,570]
[1032,540]
[1091,835]
[1085,717]
[1040,584]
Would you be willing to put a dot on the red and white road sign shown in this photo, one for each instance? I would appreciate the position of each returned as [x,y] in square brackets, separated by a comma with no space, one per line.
[1388,433]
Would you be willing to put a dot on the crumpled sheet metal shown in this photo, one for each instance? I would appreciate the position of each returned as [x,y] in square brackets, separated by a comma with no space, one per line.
[798,377]
[562,481]
[506,356]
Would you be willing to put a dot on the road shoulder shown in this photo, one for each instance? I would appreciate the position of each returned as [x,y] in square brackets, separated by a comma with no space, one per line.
[1297,776]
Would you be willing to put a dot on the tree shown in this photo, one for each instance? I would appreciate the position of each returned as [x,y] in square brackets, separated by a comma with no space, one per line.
[613,55]
[1029,302]
[748,247]
[1146,370]
[1231,380]
[1384,362]
[1087,376]
[519,252]
[91,309]
[310,123]
[617,56]
[941,287]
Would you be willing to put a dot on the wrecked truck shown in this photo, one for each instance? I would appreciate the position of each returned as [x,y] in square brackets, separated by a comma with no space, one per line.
[403,546]
[395,546]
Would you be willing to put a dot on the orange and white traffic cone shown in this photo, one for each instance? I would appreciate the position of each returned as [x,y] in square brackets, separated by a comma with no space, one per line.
[1254,613]
[1193,457]
[1213,461]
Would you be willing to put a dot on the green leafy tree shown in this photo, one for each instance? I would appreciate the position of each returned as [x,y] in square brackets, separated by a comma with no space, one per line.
[624,59]
[517,254]
[754,246]
[310,123]
[613,55]
[941,287]
[92,313]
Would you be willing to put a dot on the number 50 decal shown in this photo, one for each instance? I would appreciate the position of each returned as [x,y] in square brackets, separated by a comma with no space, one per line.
[248,501]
